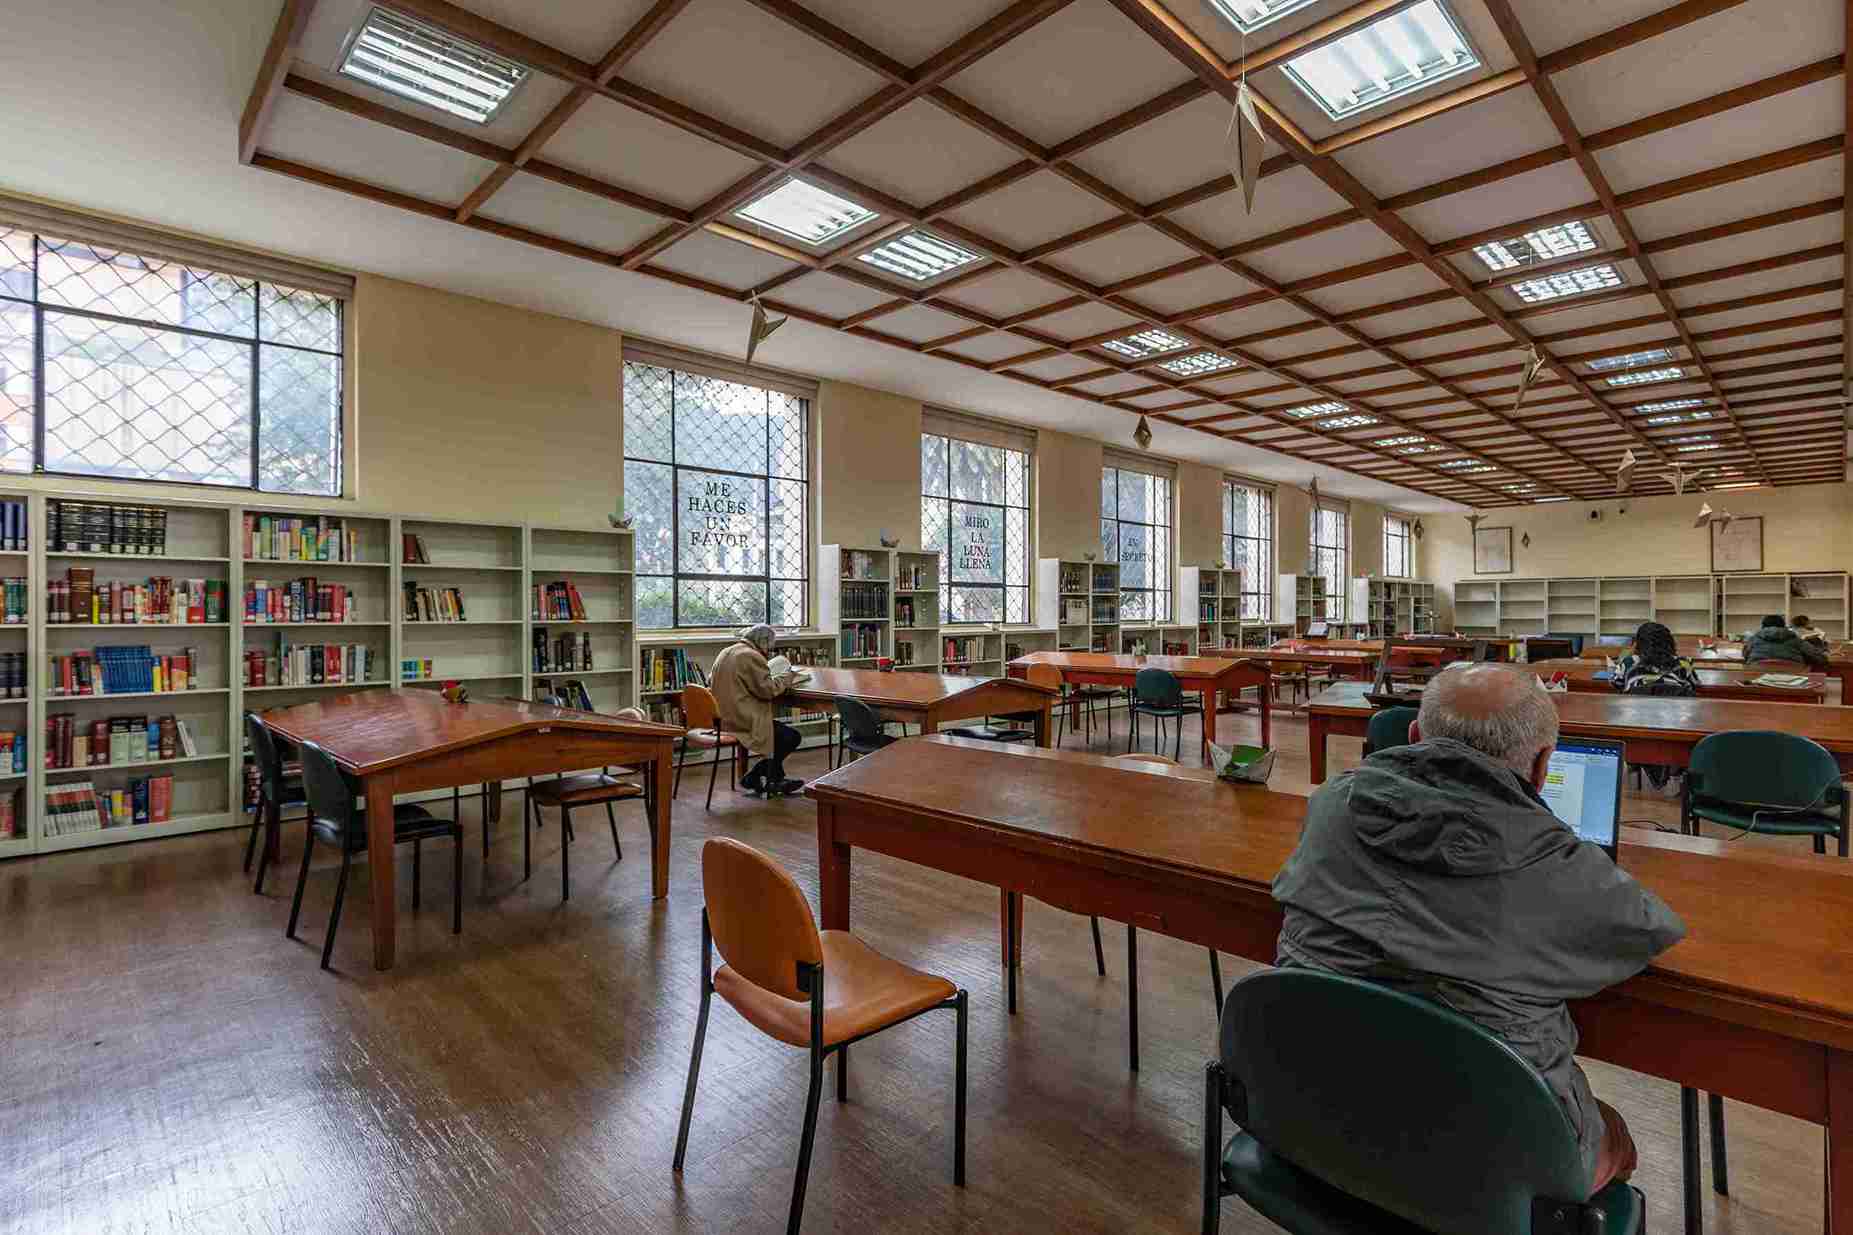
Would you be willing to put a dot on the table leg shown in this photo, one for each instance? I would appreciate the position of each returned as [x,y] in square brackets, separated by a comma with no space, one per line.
[1839,1182]
[380,868]
[664,771]
[1208,697]
[833,861]
[1316,731]
[1267,729]
[1045,724]
[493,790]
[1010,925]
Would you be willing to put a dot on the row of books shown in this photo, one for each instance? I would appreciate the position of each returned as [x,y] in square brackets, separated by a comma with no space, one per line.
[300,538]
[861,642]
[12,820]
[1074,579]
[903,653]
[79,806]
[12,675]
[433,604]
[307,599]
[1107,609]
[13,525]
[562,654]
[78,599]
[413,669]
[310,664]
[1074,611]
[963,651]
[669,669]
[918,577]
[120,670]
[558,602]
[14,592]
[71,743]
[105,527]
[12,750]
[572,694]
[865,600]
[412,549]
[906,613]
[860,564]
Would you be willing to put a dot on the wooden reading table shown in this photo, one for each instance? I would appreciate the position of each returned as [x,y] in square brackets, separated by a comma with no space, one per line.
[1756,1003]
[1204,674]
[1352,662]
[1715,681]
[931,700]
[403,741]
[1655,730]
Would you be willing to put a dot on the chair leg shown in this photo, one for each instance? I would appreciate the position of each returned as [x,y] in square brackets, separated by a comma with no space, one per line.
[842,1074]
[334,917]
[257,825]
[1212,1149]
[1216,980]
[796,1221]
[958,1092]
[1010,952]
[714,770]
[527,836]
[418,868]
[1720,1173]
[302,879]
[1689,1153]
[566,855]
[275,811]
[1177,738]
[681,755]
[617,846]
[1820,844]
[456,882]
[1100,955]
[1132,996]
[701,1034]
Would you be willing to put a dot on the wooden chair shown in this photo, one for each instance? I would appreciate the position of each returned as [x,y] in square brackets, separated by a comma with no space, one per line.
[700,715]
[820,991]
[335,819]
[277,786]
[565,792]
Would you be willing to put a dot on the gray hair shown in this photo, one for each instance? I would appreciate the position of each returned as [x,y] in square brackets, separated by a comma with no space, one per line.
[1502,711]
[761,636]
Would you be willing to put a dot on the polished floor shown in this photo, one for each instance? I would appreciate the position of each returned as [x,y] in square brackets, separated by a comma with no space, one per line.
[169,1062]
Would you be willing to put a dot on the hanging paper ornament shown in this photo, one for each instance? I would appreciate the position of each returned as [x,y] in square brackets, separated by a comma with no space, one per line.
[762,328]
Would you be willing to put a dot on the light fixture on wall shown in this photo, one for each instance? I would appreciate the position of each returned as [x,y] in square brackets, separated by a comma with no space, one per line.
[762,328]
[1417,530]
[1525,541]
[1473,521]
[1142,434]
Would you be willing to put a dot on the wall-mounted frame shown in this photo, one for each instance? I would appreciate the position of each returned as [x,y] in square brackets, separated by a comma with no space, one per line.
[1492,550]
[1737,545]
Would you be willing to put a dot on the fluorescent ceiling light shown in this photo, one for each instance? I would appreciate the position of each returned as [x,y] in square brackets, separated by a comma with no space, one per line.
[424,64]
[919,256]
[1355,421]
[1687,450]
[1427,448]
[1410,49]
[1569,283]
[1249,16]
[1645,376]
[1550,499]
[1197,364]
[1153,342]
[1524,488]
[1459,465]
[1473,471]
[1653,355]
[1673,418]
[805,212]
[1671,405]
[1411,439]
[1742,484]
[1545,244]
[1309,410]
[1693,437]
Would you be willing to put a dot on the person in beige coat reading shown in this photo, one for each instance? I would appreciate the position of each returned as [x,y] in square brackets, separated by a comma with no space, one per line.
[746,687]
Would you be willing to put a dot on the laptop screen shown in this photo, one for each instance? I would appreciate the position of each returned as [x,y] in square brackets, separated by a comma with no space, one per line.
[1583,788]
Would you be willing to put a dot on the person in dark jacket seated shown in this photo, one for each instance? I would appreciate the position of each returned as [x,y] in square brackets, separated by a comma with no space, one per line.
[1775,641]
[1436,869]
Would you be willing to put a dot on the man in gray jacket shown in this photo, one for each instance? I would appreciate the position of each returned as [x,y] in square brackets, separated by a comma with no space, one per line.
[1436,869]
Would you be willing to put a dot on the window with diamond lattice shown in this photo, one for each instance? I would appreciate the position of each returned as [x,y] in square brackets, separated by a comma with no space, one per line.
[716,474]
[1135,531]
[1330,543]
[1248,546]
[1398,547]
[974,512]
[139,368]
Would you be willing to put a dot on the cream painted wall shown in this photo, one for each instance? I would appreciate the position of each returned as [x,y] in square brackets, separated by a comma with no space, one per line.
[869,465]
[1292,530]
[1197,518]
[1366,538]
[1067,495]
[1807,527]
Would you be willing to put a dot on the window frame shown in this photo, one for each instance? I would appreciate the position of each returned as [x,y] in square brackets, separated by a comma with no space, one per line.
[1337,596]
[1399,527]
[1261,588]
[940,427]
[1116,466]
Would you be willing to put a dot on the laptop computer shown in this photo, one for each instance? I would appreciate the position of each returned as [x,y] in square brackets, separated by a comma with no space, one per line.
[1583,788]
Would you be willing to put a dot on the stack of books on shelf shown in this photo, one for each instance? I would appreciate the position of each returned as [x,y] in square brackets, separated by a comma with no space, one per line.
[309,664]
[70,743]
[903,654]
[963,651]
[557,602]
[15,599]
[12,824]
[1074,611]
[297,600]
[865,600]
[412,550]
[859,564]
[1099,642]
[1106,609]
[121,671]
[572,694]
[300,538]
[917,577]
[12,751]
[1174,648]
[566,654]
[669,669]
[1206,609]
[433,604]
[12,675]
[13,525]
[78,599]
[904,611]
[78,806]
[861,642]
[1074,578]
[105,527]
[412,669]
[809,656]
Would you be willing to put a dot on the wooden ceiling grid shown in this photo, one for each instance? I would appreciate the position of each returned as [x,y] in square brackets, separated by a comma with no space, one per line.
[1564,442]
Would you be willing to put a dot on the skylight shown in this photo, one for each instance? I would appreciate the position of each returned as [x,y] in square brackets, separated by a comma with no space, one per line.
[1197,364]
[1647,375]
[1671,405]
[1694,437]
[1524,488]
[1545,244]
[1569,283]
[1687,450]
[918,256]
[1309,410]
[805,212]
[1410,49]
[1354,421]
[1425,449]
[1153,342]
[1463,465]
[1652,355]
[1408,439]
[1250,15]
[422,63]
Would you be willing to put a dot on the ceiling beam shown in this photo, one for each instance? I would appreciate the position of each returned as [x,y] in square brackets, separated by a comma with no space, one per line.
[279,54]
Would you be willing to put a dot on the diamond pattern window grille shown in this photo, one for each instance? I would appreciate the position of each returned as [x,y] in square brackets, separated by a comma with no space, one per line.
[1248,546]
[1330,541]
[1135,531]
[140,368]
[717,477]
[974,512]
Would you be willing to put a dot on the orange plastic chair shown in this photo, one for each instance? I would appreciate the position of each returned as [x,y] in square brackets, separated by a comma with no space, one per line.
[701,716]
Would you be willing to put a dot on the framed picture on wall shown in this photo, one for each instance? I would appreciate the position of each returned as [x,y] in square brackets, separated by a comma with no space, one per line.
[1737,545]
[1492,551]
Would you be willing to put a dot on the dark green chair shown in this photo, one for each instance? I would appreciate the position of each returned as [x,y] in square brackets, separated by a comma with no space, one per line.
[1388,728]
[1158,694]
[1760,780]
[1428,1125]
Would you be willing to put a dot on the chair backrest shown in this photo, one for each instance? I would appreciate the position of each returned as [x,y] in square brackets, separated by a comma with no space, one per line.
[264,754]
[330,793]
[1158,687]
[1043,675]
[1430,1116]
[1550,647]
[761,922]
[1765,767]
[698,707]
[859,718]
[1389,728]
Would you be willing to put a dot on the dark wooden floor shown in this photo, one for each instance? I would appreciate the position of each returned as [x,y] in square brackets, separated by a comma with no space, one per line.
[169,1062]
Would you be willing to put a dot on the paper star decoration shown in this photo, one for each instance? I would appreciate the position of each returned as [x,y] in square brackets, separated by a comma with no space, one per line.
[1625,472]
[763,326]
[1534,365]
[1247,143]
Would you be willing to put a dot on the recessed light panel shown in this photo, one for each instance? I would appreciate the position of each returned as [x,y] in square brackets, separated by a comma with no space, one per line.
[1249,16]
[1308,410]
[1410,439]
[1687,450]
[805,212]
[1197,364]
[1570,283]
[1671,405]
[1427,448]
[1411,49]
[424,64]
[1152,342]
[1354,421]
[1633,360]
[1463,465]
[918,256]
[1545,244]
[1645,376]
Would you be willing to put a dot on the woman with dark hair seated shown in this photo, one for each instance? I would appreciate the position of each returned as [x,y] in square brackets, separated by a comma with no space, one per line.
[1655,667]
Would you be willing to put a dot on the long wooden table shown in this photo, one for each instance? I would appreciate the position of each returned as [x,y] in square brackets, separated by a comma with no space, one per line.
[931,700]
[1353,662]
[1205,675]
[1654,730]
[1715,681]
[404,741]
[1756,1004]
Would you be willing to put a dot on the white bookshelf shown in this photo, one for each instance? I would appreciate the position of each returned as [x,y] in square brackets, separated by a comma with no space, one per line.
[1476,606]
[1692,605]
[918,608]
[1214,595]
[1080,601]
[1392,607]
[1685,604]
[600,564]
[1302,600]
[855,598]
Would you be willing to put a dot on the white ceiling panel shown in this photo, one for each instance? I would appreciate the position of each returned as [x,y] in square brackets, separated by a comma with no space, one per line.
[587,29]
[1422,317]
[1797,275]
[1377,289]
[1079,323]
[1463,140]
[919,323]
[1766,338]
[543,206]
[307,132]
[622,146]
[1612,341]
[727,262]
[1555,24]
[1118,384]
[1750,246]
[1055,368]
[1728,318]
[1332,250]
[1459,341]
[888,154]
[1034,210]
[1556,187]
[1253,320]
[1210,285]
[821,292]
[1285,349]
[1282,200]
[1741,133]
[1135,250]
[987,348]
[1008,292]
[1792,186]
[910,33]
[1180,150]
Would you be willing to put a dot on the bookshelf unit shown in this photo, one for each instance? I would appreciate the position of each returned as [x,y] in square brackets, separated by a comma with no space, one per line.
[22,714]
[657,693]
[1693,605]
[1301,600]
[1080,602]
[1392,606]
[855,598]
[487,649]
[600,567]
[1684,604]
[1624,604]
[1822,597]
[917,601]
